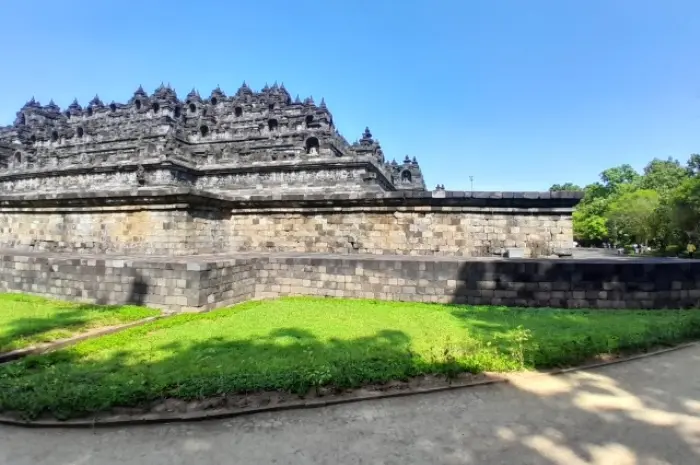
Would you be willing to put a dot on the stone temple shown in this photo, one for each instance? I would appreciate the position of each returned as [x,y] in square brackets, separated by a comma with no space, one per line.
[202,202]
[248,143]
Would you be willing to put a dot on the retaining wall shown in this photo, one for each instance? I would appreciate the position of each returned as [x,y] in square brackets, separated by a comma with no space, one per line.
[196,283]
[180,221]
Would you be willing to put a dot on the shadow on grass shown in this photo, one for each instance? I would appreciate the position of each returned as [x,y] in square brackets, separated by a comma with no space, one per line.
[584,418]
[61,320]
[533,423]
[132,369]
[645,412]
[188,357]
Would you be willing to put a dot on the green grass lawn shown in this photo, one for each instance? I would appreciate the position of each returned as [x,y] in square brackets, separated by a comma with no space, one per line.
[27,320]
[298,343]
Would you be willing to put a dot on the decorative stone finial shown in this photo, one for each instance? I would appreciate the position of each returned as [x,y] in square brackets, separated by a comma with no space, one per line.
[160,91]
[323,103]
[140,91]
[407,160]
[165,93]
[194,96]
[244,90]
[297,100]
[414,161]
[217,93]
[32,103]
[75,105]
[53,107]
[366,138]
[309,100]
[96,102]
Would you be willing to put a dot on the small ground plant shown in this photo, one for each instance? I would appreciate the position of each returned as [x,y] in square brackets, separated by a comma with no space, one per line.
[301,344]
[28,320]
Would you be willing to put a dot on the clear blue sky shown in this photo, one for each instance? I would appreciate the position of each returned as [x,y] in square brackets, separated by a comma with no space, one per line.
[518,94]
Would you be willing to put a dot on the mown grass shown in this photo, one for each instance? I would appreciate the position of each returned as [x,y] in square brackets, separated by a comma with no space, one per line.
[300,343]
[28,320]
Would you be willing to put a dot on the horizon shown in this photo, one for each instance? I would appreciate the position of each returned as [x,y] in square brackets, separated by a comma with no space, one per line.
[519,98]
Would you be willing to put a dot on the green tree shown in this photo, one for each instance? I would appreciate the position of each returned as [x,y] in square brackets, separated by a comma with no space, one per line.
[663,175]
[630,216]
[685,208]
[613,178]
[659,207]
[565,187]
[693,165]
[590,224]
[590,228]
[595,191]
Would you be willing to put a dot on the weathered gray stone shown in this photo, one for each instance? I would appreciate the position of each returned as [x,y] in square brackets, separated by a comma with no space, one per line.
[252,172]
[231,279]
[244,143]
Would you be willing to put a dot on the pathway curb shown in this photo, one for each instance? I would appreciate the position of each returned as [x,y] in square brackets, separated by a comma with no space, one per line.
[156,418]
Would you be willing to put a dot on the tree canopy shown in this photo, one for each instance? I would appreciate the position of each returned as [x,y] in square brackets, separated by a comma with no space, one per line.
[659,207]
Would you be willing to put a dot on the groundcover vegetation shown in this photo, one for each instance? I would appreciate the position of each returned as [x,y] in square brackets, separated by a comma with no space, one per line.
[297,344]
[28,320]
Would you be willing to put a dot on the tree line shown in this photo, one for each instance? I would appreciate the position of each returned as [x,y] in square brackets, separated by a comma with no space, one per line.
[659,207]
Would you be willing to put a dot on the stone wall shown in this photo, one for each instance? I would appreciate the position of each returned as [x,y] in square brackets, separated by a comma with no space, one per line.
[284,175]
[226,282]
[603,284]
[436,231]
[166,230]
[188,232]
[167,285]
[182,221]
[170,284]
[180,284]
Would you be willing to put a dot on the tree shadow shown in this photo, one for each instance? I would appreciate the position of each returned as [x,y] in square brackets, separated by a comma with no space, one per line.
[61,324]
[612,415]
[61,320]
[136,368]
[578,283]
[626,414]
[609,415]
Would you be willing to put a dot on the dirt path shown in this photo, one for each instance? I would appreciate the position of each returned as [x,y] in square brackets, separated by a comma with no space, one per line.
[642,412]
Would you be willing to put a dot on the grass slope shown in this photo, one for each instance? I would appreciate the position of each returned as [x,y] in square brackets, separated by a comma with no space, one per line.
[298,343]
[28,320]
